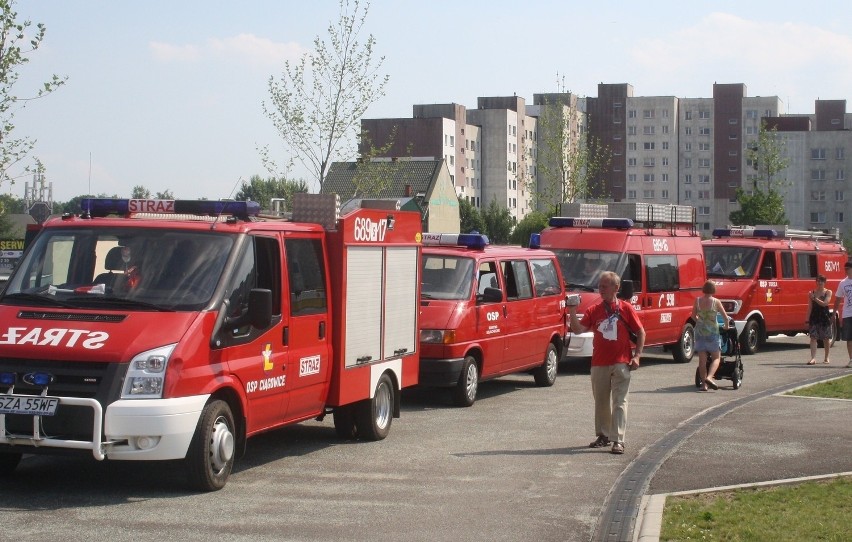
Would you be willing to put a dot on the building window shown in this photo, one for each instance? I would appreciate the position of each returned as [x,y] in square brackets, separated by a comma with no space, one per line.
[703,194]
[687,179]
[839,153]
[631,194]
[631,130]
[631,178]
[631,114]
[687,194]
[631,146]
[648,177]
[648,130]
[687,146]
[835,122]
[665,161]
[732,168]
[751,113]
[648,114]
[687,130]
[704,211]
[665,145]
[733,121]
[687,115]
[704,130]
[732,153]
[687,162]
[648,145]
[704,179]
[631,162]
[817,154]
[649,162]
[838,217]
[703,114]
[665,113]
[648,194]
[664,194]
[751,130]
[840,175]
[703,162]
[818,217]
[838,195]
[665,128]
[704,146]
[732,137]
[817,174]
[817,195]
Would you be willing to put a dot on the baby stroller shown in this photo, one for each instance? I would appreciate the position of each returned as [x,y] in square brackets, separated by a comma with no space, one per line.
[731,361]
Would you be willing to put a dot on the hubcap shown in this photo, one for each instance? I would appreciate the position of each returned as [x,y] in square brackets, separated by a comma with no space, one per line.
[383,406]
[472,381]
[551,365]
[221,445]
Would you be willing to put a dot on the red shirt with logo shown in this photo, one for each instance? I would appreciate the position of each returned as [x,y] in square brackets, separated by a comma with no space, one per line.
[606,351]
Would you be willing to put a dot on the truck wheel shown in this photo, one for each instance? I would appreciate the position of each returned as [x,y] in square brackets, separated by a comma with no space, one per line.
[373,417]
[464,394]
[750,337]
[545,375]
[211,453]
[684,349]
[344,422]
[9,462]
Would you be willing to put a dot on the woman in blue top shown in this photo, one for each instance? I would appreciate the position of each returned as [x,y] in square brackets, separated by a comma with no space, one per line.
[707,339]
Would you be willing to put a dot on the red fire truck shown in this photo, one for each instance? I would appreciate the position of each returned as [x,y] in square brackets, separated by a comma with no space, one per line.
[655,247]
[158,330]
[763,275]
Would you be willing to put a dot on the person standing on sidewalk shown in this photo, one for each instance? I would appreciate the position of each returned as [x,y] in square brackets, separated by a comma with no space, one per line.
[844,296]
[611,322]
[819,319]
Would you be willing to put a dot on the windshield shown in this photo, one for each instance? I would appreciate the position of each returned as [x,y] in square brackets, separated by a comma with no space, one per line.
[730,260]
[154,269]
[582,269]
[446,277]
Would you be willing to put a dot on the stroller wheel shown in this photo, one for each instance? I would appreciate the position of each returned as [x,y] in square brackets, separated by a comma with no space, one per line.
[737,376]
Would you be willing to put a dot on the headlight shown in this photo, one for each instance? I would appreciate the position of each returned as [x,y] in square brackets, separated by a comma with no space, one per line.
[146,374]
[437,336]
[732,306]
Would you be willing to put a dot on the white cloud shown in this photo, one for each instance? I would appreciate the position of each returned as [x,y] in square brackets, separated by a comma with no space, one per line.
[246,48]
[783,58]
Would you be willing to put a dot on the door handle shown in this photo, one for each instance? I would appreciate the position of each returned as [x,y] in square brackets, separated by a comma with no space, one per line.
[505,312]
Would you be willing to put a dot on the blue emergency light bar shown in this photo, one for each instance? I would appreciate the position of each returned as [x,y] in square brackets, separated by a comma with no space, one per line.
[744,232]
[575,222]
[8,379]
[469,240]
[99,207]
[535,240]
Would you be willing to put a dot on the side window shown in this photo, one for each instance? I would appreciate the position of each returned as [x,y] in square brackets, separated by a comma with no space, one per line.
[807,264]
[517,277]
[787,265]
[258,267]
[487,277]
[545,278]
[662,273]
[306,271]
[633,272]
[767,266]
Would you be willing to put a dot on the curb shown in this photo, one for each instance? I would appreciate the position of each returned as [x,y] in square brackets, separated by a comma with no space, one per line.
[651,509]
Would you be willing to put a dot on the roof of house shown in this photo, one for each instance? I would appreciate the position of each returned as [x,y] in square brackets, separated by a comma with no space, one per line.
[416,174]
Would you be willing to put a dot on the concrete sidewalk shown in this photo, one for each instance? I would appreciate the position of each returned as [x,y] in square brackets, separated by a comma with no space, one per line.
[773,440]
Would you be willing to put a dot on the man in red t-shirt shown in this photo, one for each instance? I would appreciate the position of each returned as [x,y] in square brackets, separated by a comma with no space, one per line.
[612,360]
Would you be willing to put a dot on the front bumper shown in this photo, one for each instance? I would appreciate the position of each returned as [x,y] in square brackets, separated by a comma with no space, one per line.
[440,372]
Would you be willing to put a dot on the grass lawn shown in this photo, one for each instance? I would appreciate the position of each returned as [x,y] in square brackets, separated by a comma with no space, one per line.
[816,510]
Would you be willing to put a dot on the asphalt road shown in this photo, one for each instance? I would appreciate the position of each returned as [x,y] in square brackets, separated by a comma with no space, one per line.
[513,467]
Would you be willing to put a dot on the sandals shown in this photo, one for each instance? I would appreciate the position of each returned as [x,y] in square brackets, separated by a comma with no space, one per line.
[826,362]
[711,384]
[812,362]
[601,442]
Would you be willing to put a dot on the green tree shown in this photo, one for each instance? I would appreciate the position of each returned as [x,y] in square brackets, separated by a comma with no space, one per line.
[567,159]
[140,192]
[498,223]
[264,190]
[534,222]
[470,218]
[317,103]
[16,45]
[763,202]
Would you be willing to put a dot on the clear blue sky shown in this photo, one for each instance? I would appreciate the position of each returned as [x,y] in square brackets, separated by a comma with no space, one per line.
[167,94]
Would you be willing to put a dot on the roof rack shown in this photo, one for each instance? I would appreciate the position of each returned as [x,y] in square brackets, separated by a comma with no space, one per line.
[648,215]
[777,232]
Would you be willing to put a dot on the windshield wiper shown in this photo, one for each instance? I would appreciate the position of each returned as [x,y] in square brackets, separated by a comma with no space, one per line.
[117,301]
[40,299]
[577,286]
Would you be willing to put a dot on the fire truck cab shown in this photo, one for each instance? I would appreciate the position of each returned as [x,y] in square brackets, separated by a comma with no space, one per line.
[655,247]
[161,329]
[488,311]
[763,275]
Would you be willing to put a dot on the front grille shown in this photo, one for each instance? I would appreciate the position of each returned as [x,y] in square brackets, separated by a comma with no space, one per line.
[72,316]
[100,381]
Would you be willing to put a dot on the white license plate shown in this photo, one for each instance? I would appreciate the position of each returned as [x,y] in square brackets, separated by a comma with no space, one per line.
[28,404]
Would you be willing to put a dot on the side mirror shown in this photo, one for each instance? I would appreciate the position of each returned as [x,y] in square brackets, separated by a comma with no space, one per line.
[626,290]
[492,295]
[260,307]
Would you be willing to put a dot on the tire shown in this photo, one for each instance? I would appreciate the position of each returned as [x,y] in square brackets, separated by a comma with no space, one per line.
[684,348]
[750,338]
[344,422]
[9,462]
[211,453]
[737,377]
[373,417]
[464,393]
[545,375]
